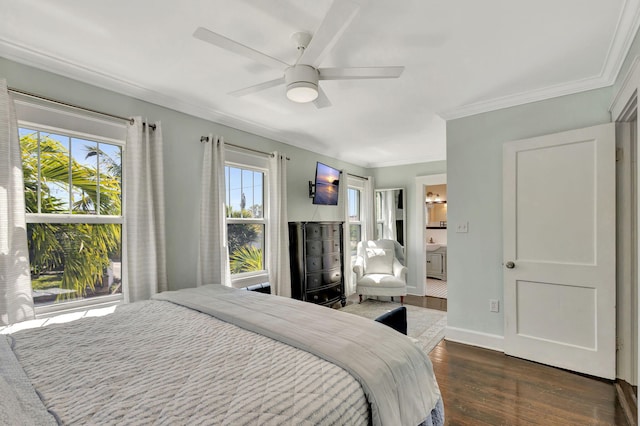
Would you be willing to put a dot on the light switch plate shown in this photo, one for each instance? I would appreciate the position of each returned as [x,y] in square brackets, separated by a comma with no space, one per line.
[462,227]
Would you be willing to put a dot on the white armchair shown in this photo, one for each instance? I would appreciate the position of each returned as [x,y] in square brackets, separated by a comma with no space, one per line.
[380,269]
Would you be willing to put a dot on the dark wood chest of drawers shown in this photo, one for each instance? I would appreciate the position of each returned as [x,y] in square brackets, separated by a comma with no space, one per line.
[316,254]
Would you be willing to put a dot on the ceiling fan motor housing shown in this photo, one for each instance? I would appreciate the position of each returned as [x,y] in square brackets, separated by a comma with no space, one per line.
[302,83]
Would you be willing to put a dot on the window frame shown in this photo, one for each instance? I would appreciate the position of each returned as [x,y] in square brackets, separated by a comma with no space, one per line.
[44,311]
[245,161]
[359,190]
[358,185]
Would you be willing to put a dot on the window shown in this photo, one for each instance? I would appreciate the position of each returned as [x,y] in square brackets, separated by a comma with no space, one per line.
[355,219]
[73,198]
[246,223]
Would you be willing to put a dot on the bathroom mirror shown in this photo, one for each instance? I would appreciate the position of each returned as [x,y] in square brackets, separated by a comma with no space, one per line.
[436,203]
[391,214]
[437,216]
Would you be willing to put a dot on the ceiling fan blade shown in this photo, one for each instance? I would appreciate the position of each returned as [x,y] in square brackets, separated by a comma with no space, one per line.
[258,87]
[235,47]
[336,21]
[322,101]
[359,73]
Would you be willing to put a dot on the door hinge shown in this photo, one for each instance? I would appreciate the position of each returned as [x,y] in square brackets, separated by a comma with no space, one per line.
[618,154]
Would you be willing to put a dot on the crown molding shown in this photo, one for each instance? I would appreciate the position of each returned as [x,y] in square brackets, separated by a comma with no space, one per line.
[69,69]
[525,98]
[626,29]
[628,89]
[408,161]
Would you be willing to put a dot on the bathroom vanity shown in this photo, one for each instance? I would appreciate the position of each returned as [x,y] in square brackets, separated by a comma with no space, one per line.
[437,261]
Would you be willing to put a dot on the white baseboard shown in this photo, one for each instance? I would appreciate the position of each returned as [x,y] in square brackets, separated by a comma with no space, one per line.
[474,338]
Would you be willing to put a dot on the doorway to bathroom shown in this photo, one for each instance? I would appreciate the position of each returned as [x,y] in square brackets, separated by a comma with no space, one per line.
[431,210]
[435,198]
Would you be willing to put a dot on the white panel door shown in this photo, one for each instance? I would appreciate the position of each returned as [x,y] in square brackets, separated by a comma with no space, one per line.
[559,250]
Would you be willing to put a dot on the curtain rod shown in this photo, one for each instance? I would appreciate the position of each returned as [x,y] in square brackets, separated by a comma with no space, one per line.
[33,95]
[204,139]
[361,177]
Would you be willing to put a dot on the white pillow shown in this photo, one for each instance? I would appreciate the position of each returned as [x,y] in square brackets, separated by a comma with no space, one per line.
[378,261]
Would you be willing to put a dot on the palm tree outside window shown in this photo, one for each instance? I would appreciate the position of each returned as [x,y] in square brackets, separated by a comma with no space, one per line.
[73,199]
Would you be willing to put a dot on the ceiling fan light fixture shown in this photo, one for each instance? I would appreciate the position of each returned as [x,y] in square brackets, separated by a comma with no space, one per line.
[302,83]
[302,92]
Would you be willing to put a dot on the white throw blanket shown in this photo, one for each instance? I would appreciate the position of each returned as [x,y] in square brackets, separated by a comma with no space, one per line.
[396,375]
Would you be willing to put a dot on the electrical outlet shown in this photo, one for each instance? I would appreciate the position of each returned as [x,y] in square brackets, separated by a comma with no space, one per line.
[462,227]
[494,305]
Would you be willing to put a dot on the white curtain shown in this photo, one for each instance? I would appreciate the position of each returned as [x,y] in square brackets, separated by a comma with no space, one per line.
[368,210]
[213,256]
[389,214]
[278,228]
[144,212]
[16,301]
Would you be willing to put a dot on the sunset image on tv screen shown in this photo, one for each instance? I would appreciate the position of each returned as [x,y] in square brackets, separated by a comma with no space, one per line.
[327,182]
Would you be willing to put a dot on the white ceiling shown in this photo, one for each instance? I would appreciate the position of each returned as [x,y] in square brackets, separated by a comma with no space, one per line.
[461,57]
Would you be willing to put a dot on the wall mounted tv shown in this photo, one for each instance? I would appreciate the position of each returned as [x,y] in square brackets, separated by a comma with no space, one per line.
[326,185]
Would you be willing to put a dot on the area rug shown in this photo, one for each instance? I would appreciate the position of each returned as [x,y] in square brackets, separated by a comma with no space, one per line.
[424,325]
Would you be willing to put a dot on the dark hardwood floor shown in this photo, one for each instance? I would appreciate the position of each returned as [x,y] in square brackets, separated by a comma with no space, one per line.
[483,387]
[426,302]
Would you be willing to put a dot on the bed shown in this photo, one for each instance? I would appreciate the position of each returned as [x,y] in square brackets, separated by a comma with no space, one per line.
[216,355]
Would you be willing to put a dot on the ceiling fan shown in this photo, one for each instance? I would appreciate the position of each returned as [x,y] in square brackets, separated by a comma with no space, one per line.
[301,79]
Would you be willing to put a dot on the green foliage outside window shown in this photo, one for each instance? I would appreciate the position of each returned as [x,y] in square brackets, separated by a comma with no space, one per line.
[246,259]
[244,239]
[70,256]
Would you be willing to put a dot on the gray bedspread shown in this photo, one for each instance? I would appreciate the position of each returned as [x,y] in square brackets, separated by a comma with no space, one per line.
[157,363]
[215,355]
[396,375]
[19,403]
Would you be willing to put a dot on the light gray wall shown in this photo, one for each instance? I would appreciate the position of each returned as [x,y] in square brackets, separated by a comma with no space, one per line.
[183,159]
[474,191]
[474,194]
[405,177]
[301,169]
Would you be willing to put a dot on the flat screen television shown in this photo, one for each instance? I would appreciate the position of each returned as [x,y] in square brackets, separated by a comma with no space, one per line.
[326,185]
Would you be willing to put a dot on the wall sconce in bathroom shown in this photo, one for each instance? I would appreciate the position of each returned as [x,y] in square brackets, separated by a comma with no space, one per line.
[432,198]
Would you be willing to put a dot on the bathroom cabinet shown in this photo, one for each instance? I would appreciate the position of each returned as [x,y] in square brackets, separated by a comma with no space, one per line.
[437,263]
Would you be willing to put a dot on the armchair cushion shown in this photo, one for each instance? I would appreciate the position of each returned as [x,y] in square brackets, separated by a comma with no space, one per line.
[378,261]
[382,280]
